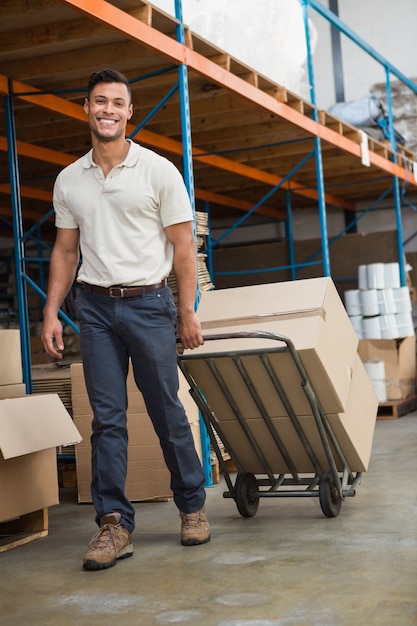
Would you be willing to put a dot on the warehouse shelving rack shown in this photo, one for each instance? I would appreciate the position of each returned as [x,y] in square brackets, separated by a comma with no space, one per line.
[313,142]
[393,185]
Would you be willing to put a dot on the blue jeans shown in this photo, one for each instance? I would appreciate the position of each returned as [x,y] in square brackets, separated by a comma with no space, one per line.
[142,329]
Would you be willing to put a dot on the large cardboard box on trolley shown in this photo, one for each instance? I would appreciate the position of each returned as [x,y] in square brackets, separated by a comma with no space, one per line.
[148,477]
[310,313]
[399,358]
[353,430]
[31,428]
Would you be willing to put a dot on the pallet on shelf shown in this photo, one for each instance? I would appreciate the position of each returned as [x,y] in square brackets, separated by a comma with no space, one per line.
[24,529]
[393,409]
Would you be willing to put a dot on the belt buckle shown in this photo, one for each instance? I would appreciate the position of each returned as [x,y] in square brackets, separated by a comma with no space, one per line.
[116,292]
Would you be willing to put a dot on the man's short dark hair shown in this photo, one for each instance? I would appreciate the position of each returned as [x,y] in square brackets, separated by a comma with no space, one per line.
[108,76]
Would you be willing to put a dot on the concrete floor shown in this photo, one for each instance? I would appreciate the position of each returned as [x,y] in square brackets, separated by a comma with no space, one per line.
[287,566]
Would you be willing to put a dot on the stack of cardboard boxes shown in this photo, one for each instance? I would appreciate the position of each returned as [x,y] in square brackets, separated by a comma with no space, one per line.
[312,315]
[399,359]
[148,477]
[31,428]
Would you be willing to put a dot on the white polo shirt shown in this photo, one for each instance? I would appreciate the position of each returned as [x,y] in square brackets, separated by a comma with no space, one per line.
[122,217]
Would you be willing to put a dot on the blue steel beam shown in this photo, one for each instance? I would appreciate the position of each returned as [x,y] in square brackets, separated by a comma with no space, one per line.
[187,158]
[18,239]
[188,173]
[318,154]
[397,192]
[289,234]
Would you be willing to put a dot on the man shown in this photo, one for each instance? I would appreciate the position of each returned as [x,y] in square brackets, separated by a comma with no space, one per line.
[128,211]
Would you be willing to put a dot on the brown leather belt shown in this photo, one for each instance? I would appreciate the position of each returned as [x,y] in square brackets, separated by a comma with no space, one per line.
[124,292]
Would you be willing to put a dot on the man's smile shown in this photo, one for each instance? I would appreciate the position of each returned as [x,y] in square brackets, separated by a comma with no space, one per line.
[106,121]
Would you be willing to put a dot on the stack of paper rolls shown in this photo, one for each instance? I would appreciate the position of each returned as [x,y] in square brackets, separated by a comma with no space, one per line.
[376,373]
[380,308]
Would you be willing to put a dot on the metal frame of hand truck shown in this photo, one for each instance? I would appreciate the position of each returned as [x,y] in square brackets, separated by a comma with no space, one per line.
[331,486]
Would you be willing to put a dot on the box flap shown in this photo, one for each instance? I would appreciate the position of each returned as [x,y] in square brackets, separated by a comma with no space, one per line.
[297,298]
[33,423]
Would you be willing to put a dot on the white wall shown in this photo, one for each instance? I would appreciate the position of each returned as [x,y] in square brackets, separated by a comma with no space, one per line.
[268,35]
[390,27]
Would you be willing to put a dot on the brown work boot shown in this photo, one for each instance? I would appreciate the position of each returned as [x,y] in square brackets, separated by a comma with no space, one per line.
[195,528]
[111,542]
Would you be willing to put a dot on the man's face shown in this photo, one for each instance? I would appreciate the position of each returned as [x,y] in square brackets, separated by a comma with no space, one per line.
[108,111]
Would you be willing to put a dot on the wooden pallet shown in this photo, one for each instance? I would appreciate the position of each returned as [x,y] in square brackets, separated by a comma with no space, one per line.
[23,530]
[216,471]
[394,409]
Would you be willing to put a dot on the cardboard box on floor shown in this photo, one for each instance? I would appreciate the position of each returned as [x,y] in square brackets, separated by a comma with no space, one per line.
[399,357]
[31,428]
[310,313]
[148,477]
[353,430]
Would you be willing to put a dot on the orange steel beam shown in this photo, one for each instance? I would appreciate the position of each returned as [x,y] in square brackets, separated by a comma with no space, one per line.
[105,13]
[39,153]
[29,192]
[7,212]
[76,111]
[61,158]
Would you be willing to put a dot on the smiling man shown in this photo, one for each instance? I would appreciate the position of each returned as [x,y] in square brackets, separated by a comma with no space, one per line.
[128,210]
[108,109]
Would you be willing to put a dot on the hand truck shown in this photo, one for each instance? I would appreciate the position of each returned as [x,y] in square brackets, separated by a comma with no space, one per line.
[219,380]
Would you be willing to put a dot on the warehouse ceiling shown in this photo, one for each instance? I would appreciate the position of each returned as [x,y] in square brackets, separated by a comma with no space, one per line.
[252,139]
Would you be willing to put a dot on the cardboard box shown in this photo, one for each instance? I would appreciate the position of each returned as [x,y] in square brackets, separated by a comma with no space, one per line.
[310,313]
[353,431]
[12,391]
[399,357]
[31,427]
[11,357]
[148,477]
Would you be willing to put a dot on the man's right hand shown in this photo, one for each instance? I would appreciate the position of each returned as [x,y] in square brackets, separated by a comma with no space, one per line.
[52,337]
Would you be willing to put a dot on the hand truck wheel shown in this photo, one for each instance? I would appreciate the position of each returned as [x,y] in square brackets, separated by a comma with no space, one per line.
[246,498]
[329,496]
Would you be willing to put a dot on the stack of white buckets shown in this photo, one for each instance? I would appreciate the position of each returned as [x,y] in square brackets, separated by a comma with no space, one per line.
[380,309]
